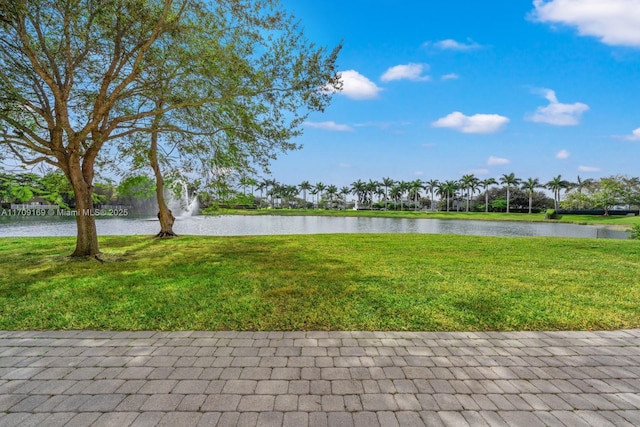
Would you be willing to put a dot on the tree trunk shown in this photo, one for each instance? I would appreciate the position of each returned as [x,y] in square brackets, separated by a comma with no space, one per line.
[164,213]
[166,221]
[87,237]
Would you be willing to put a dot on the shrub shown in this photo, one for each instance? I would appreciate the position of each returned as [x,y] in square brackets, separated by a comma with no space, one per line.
[551,214]
[635,232]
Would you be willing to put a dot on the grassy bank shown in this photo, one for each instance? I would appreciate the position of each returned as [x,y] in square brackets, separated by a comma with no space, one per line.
[620,222]
[326,282]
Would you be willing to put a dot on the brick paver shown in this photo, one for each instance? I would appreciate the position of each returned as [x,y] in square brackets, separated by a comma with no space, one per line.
[319,378]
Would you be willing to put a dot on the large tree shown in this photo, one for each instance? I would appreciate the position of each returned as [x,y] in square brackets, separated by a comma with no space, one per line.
[79,76]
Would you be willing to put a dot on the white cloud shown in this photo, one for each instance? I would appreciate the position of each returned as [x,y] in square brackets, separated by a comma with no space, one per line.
[635,135]
[406,72]
[330,125]
[557,113]
[450,44]
[588,169]
[562,154]
[450,76]
[494,161]
[357,86]
[614,22]
[478,123]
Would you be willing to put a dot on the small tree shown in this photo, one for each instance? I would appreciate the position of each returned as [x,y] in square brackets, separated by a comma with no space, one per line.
[610,192]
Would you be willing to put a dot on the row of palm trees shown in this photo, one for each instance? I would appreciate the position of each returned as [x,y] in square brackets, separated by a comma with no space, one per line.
[407,193]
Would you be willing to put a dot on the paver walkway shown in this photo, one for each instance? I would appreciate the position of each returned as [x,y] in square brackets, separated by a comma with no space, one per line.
[81,378]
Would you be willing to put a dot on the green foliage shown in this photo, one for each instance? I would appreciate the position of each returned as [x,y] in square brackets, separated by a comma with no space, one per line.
[499,204]
[18,188]
[610,192]
[138,186]
[575,200]
[635,232]
[550,214]
[53,187]
[56,189]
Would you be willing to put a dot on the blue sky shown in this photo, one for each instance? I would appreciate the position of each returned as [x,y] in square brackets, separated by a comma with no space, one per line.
[439,89]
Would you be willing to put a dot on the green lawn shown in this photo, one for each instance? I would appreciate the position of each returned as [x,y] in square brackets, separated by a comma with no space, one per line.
[322,282]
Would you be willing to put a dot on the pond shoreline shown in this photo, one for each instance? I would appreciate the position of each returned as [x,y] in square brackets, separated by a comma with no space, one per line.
[619,223]
[292,222]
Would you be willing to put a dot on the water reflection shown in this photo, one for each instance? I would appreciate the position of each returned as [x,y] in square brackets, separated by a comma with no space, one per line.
[264,225]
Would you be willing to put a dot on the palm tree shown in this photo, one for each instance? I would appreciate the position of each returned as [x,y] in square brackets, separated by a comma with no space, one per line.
[372,188]
[414,190]
[403,187]
[305,186]
[448,190]
[530,185]
[468,182]
[247,181]
[289,192]
[485,183]
[396,193]
[358,188]
[331,192]
[261,186]
[556,185]
[269,183]
[509,180]
[431,186]
[386,183]
[319,188]
[344,191]
[473,187]
[275,192]
[579,186]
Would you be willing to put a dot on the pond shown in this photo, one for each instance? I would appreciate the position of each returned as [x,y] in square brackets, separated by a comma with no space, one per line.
[237,225]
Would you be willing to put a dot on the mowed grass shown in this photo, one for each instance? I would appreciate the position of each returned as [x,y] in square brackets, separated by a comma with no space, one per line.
[322,282]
